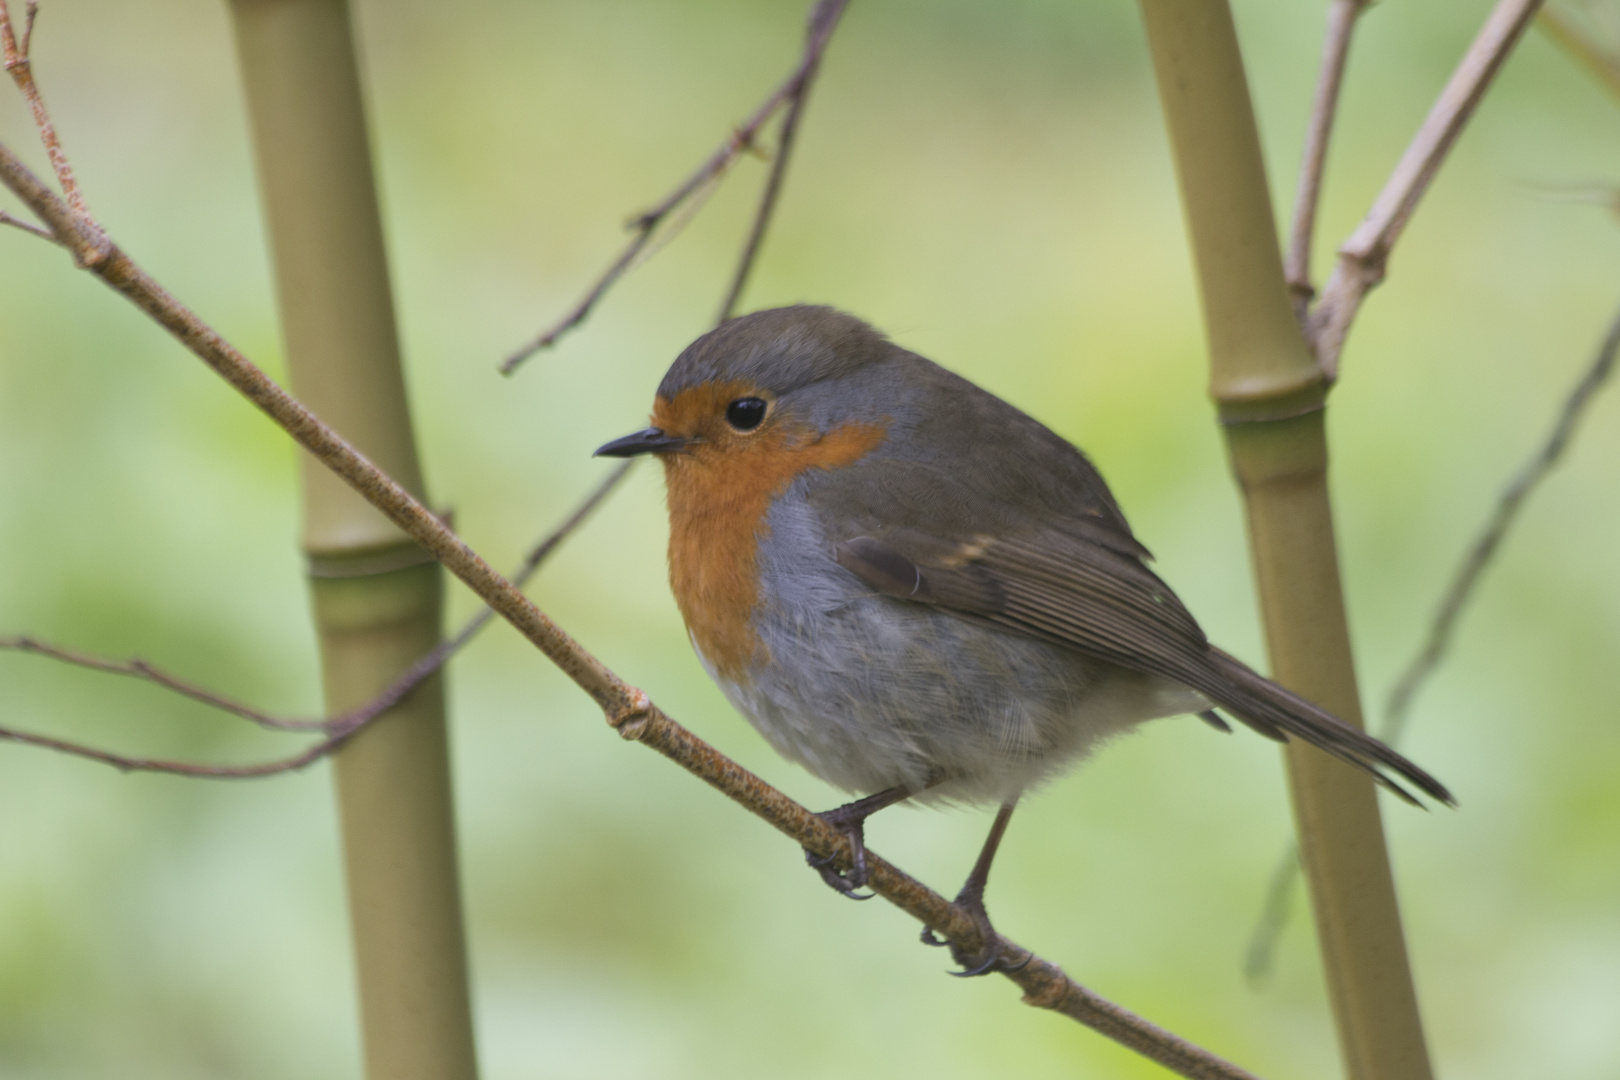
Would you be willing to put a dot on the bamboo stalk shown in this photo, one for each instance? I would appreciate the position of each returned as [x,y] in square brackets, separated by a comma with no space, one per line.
[376,593]
[1270,394]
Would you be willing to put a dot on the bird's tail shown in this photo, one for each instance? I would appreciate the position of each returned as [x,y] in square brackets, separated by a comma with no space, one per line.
[1279,713]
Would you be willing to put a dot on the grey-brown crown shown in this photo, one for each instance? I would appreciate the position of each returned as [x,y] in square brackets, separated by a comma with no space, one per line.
[779,350]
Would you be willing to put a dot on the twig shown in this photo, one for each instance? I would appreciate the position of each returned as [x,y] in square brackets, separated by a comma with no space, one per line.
[26,226]
[22,73]
[1341,25]
[1443,624]
[1363,258]
[626,708]
[140,669]
[1261,955]
[823,18]
[337,728]
[309,756]
[1578,43]
[1604,195]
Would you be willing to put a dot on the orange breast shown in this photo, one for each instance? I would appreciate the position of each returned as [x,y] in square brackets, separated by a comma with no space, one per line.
[718,495]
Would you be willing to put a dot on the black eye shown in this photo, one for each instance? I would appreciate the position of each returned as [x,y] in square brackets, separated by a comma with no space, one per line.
[746,414]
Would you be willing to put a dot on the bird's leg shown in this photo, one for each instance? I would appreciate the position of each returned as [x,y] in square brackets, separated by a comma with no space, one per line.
[850,819]
[971,900]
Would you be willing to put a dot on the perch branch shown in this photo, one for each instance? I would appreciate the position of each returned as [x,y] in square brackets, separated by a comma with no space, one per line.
[627,709]
[1364,256]
[1044,984]
[822,21]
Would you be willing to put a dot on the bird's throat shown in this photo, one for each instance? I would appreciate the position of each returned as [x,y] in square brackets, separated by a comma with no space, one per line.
[718,500]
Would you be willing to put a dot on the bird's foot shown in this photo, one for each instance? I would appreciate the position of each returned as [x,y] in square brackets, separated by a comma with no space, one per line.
[850,820]
[991,956]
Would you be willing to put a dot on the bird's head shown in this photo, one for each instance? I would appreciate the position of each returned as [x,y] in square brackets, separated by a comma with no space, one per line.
[766,384]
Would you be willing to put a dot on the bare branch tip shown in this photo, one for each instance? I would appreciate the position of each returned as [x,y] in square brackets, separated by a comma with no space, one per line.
[515,360]
[30,10]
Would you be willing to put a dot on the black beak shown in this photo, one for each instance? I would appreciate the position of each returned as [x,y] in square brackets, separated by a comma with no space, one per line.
[647,441]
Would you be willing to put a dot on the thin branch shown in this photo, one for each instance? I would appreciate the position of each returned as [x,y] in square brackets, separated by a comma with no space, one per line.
[1364,257]
[1341,25]
[26,226]
[1443,625]
[22,73]
[140,669]
[1604,195]
[337,728]
[1574,39]
[823,18]
[435,658]
[1261,956]
[626,708]
[304,758]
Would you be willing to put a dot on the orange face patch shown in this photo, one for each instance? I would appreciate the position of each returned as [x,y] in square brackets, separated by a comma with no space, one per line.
[719,490]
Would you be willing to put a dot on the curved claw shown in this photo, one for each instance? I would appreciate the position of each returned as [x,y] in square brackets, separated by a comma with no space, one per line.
[983,969]
[996,962]
[1022,964]
[840,884]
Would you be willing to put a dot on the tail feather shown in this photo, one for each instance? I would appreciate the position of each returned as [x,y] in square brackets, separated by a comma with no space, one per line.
[1279,713]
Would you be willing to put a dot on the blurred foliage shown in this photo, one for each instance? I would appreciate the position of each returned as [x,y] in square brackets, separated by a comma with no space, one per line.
[988,182]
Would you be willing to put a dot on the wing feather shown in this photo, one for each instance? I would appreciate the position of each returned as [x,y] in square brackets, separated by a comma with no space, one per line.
[1109,606]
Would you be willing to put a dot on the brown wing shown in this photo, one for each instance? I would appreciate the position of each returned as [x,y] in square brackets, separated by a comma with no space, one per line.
[1054,587]
[1106,604]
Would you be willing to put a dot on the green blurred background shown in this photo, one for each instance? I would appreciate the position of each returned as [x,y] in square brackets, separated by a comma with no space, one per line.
[988,182]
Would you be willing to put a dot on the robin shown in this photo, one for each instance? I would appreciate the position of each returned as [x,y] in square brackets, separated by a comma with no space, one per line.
[918,592]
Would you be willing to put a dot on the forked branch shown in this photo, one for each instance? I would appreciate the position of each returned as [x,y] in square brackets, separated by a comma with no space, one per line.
[791,93]
[18,65]
[1364,256]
